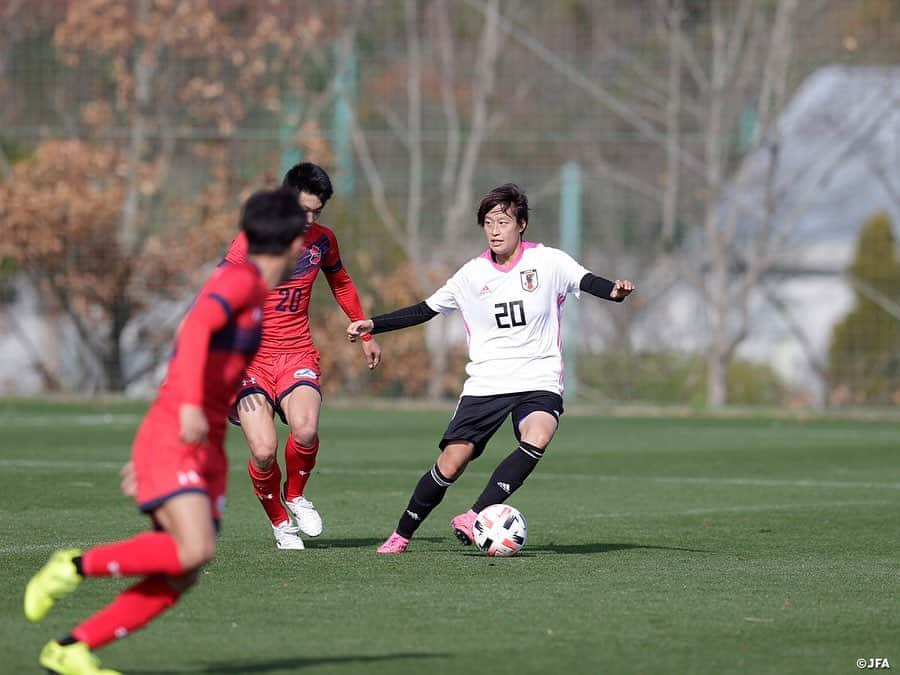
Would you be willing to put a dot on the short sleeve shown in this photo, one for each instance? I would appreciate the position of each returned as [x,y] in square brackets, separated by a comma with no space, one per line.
[447,298]
[568,271]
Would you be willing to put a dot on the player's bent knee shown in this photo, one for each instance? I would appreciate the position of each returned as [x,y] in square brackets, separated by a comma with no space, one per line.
[538,440]
[305,434]
[196,553]
[451,466]
[263,456]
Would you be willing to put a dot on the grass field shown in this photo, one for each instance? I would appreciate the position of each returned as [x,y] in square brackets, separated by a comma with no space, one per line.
[655,545]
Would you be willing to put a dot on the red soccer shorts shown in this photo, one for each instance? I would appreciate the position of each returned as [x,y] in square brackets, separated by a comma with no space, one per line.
[276,375]
[164,466]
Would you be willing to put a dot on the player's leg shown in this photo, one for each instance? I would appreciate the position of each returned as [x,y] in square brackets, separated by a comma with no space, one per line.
[169,561]
[187,519]
[255,414]
[159,460]
[301,406]
[429,492]
[475,420]
[535,420]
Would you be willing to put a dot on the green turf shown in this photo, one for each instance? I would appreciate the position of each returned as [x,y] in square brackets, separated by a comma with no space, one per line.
[655,545]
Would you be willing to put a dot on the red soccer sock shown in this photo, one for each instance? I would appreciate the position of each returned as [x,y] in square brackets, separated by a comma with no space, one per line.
[267,486]
[134,608]
[299,462]
[147,553]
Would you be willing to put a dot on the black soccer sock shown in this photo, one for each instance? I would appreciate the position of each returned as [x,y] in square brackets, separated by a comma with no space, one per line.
[428,494]
[509,475]
[78,568]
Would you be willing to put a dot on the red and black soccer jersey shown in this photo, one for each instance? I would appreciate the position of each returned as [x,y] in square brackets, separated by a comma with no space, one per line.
[287,306]
[217,339]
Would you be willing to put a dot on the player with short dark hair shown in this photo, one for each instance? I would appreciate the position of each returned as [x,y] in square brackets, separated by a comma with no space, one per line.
[178,456]
[511,299]
[284,376]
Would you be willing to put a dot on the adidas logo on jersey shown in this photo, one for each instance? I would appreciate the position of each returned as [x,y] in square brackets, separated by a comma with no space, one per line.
[485,290]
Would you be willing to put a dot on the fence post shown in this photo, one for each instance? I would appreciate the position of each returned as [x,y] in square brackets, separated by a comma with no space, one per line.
[570,242]
[344,102]
[290,152]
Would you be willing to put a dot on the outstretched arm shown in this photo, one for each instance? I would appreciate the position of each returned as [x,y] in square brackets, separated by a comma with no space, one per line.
[616,291]
[345,293]
[401,318]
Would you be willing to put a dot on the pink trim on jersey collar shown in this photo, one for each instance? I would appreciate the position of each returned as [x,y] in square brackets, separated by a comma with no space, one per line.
[509,265]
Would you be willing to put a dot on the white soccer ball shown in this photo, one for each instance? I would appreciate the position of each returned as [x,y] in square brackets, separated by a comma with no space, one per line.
[500,530]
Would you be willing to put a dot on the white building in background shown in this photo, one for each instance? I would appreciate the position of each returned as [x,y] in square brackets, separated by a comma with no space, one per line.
[839,165]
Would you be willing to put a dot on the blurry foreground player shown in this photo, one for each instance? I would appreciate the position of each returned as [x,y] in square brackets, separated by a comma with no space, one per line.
[284,375]
[178,456]
[511,299]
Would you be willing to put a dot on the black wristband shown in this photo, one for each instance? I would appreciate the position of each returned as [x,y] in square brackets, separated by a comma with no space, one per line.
[598,286]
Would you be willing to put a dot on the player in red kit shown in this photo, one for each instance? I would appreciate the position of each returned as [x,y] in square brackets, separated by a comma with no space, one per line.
[284,376]
[178,457]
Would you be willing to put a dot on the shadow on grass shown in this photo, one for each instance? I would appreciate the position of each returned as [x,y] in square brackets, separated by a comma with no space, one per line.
[575,549]
[585,549]
[288,664]
[359,542]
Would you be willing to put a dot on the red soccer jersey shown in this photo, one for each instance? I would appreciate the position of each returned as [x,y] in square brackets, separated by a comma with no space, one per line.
[287,306]
[217,339]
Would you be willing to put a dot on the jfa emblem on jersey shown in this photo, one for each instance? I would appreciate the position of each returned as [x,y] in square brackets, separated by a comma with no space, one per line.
[529,279]
[315,255]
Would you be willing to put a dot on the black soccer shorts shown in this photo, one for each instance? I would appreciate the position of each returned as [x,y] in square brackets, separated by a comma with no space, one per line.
[477,418]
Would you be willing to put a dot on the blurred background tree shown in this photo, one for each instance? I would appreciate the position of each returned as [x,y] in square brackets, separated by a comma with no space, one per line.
[128,215]
[864,358]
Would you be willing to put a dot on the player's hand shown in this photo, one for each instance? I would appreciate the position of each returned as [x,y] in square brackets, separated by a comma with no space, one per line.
[373,353]
[621,289]
[357,328]
[129,480]
[193,424]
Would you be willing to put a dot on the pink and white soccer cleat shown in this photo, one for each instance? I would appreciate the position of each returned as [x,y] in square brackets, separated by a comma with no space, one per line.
[462,526]
[394,544]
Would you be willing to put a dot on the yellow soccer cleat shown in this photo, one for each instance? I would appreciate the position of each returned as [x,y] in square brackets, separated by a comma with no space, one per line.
[54,581]
[73,659]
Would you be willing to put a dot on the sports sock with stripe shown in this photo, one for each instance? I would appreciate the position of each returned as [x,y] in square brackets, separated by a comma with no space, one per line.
[428,494]
[267,486]
[509,475]
[299,461]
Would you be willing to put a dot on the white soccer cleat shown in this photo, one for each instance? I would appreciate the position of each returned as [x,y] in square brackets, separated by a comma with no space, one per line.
[287,536]
[308,518]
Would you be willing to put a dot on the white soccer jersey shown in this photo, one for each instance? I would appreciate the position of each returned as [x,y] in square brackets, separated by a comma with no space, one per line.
[512,318]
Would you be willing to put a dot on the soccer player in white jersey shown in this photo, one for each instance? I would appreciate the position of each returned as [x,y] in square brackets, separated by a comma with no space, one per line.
[511,299]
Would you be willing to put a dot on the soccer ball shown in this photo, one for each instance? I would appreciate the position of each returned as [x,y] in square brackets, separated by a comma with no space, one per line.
[500,530]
